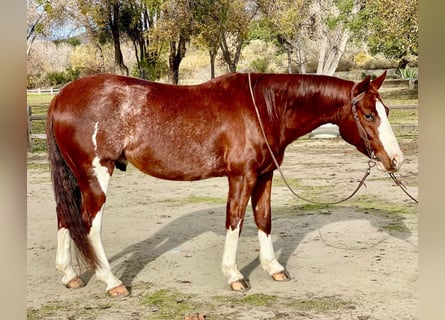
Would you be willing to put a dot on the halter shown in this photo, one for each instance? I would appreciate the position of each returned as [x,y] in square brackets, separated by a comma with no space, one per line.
[362,131]
[363,135]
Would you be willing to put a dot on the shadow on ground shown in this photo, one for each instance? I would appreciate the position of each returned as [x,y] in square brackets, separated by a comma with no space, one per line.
[288,232]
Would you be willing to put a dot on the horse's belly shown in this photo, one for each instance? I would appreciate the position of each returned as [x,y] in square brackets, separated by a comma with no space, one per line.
[179,163]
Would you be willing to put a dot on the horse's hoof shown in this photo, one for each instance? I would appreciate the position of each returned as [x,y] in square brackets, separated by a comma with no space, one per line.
[119,291]
[282,276]
[240,285]
[75,283]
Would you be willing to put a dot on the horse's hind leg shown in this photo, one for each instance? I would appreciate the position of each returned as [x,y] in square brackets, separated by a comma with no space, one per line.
[262,212]
[93,185]
[103,271]
[94,202]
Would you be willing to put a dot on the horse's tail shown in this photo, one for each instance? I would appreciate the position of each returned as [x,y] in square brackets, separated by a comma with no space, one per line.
[67,195]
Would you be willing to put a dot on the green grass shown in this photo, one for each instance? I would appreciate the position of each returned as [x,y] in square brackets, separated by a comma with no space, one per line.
[47,311]
[318,305]
[168,304]
[400,97]
[403,116]
[38,99]
[196,199]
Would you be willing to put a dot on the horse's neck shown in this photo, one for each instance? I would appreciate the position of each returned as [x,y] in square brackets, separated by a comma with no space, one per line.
[308,109]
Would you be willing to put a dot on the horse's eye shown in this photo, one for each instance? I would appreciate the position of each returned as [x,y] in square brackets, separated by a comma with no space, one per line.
[369,117]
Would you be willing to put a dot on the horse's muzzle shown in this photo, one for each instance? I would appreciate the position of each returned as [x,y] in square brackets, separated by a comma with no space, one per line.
[391,164]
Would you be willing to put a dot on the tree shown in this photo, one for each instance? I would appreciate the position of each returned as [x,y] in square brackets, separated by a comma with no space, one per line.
[175,27]
[44,18]
[235,16]
[208,26]
[138,19]
[35,17]
[391,27]
[334,31]
[112,10]
[319,28]
[286,20]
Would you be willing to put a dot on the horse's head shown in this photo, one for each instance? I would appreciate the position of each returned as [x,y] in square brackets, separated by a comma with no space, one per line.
[366,125]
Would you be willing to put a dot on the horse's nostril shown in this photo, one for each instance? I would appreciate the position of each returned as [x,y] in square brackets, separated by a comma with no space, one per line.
[395,163]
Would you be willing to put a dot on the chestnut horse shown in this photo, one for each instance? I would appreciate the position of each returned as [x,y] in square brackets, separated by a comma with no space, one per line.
[196,132]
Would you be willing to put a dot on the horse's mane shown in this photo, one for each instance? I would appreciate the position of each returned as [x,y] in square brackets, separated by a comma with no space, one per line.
[301,88]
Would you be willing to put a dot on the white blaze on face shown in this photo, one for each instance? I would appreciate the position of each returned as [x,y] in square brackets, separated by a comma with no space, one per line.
[387,137]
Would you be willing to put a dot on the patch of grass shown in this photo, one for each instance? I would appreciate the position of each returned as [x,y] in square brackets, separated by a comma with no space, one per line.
[38,99]
[253,300]
[38,166]
[400,97]
[39,145]
[380,207]
[47,311]
[393,214]
[318,305]
[396,226]
[296,184]
[259,299]
[168,304]
[196,199]
[403,116]
[323,304]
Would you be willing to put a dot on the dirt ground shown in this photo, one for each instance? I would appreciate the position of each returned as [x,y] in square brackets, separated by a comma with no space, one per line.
[356,260]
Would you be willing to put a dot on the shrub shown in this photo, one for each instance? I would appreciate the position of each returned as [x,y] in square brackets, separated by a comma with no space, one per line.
[408,73]
[56,78]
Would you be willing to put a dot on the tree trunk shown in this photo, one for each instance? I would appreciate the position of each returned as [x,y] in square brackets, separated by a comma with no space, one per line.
[119,65]
[212,54]
[332,65]
[175,58]
[289,60]
[232,63]
[322,55]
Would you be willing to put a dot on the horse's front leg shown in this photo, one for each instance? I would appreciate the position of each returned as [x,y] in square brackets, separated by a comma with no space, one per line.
[261,195]
[240,189]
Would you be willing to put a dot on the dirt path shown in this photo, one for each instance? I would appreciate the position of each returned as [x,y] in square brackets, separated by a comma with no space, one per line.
[165,240]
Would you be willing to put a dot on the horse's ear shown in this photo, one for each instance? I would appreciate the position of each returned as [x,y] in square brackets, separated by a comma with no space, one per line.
[362,86]
[377,82]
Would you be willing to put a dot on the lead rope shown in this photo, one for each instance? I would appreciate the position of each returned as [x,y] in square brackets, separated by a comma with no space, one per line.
[402,186]
[371,163]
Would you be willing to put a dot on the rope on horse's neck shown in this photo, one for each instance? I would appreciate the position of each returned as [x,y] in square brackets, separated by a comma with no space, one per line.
[361,183]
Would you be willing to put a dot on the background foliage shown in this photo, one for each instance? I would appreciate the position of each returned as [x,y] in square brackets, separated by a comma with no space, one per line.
[155,39]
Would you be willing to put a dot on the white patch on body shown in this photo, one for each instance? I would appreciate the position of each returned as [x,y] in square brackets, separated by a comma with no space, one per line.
[102,174]
[100,171]
[229,266]
[387,137]
[267,255]
[94,136]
